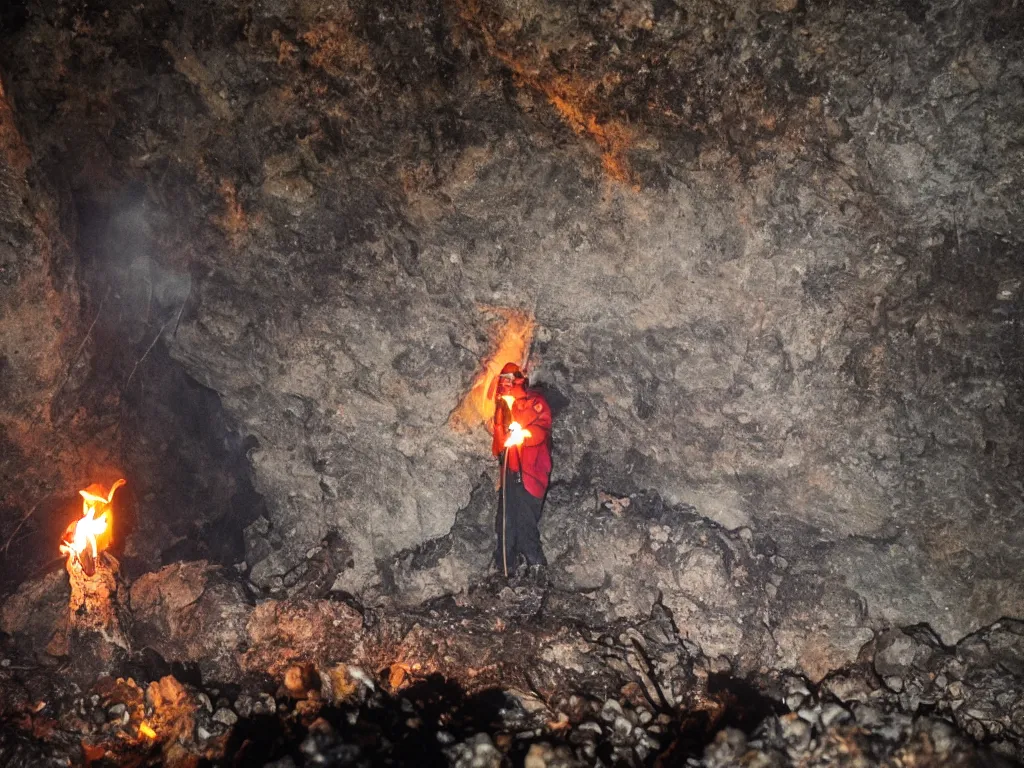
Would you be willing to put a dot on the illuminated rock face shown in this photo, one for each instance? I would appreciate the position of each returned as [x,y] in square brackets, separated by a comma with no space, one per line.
[773,256]
[38,310]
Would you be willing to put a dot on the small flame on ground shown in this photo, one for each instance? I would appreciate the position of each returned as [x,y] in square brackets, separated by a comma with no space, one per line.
[145,730]
[90,534]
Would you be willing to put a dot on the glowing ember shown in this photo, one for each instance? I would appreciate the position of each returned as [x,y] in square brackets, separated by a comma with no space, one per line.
[145,730]
[89,535]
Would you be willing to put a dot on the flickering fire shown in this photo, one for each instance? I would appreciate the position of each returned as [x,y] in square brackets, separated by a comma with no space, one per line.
[516,434]
[85,538]
[146,731]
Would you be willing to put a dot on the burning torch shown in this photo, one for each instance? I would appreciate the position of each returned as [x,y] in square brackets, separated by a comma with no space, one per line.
[93,608]
[85,538]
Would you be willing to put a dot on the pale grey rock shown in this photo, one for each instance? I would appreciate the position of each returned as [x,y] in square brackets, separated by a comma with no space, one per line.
[832,714]
[225,717]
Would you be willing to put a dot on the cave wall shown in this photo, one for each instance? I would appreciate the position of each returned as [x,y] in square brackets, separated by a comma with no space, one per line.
[39,334]
[772,249]
[88,393]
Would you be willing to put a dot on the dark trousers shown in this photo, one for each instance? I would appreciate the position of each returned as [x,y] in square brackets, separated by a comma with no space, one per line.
[518,524]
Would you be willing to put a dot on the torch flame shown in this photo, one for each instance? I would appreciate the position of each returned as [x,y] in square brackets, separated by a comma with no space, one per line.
[90,534]
[516,435]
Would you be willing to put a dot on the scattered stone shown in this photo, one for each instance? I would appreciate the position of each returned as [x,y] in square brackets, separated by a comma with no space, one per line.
[726,750]
[225,717]
[478,751]
[894,683]
[796,732]
[205,702]
[611,710]
[622,729]
[832,714]
[546,756]
[244,705]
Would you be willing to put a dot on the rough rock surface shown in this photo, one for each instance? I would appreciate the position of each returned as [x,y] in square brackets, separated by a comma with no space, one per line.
[497,676]
[73,391]
[190,612]
[38,610]
[38,313]
[308,632]
[772,251]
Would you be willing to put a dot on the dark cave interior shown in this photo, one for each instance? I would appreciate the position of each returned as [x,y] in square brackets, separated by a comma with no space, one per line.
[763,259]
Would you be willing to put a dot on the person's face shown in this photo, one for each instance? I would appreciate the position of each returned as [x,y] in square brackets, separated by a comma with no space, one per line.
[507,383]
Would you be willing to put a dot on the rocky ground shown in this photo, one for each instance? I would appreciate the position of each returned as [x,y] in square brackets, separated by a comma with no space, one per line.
[495,677]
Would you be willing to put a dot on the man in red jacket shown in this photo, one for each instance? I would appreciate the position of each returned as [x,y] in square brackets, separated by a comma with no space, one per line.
[522,438]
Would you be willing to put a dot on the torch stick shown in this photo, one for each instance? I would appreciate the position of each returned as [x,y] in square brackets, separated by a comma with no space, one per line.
[504,515]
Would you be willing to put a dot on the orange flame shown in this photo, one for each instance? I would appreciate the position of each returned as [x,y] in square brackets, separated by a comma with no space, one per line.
[85,538]
[145,730]
[516,435]
[511,343]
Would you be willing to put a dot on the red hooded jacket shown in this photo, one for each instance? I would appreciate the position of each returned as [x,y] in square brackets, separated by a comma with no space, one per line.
[533,457]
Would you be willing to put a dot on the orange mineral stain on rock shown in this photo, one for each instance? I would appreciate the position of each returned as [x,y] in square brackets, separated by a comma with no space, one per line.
[573,97]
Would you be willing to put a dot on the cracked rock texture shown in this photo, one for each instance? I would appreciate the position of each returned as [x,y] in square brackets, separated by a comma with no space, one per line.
[503,664]
[772,249]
